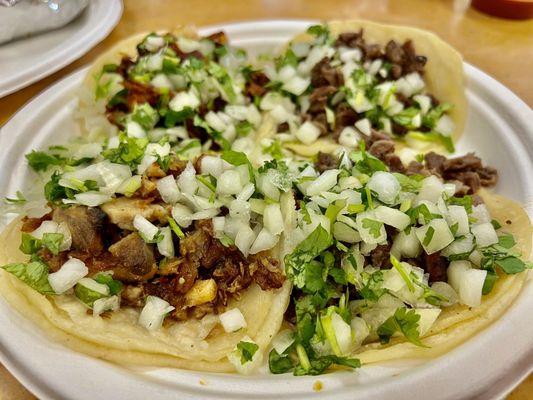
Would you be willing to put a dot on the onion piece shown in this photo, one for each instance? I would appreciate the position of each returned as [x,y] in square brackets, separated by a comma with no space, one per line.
[154,312]
[147,230]
[106,304]
[273,219]
[392,217]
[385,185]
[435,236]
[68,275]
[264,241]
[244,239]
[307,133]
[166,245]
[485,234]
[168,189]
[232,320]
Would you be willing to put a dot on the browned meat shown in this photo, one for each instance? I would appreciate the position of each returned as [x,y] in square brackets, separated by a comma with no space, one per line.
[435,162]
[219,38]
[413,62]
[148,189]
[134,257]
[345,116]
[183,55]
[351,39]
[372,51]
[124,66]
[323,74]
[266,272]
[283,127]
[417,168]
[318,100]
[435,265]
[85,225]
[140,94]
[325,161]
[384,150]
[256,84]
[380,256]
[30,224]
[133,295]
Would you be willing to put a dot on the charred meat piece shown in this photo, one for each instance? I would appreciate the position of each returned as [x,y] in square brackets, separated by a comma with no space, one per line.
[325,161]
[323,74]
[255,85]
[122,210]
[345,116]
[318,100]
[134,257]
[220,38]
[380,256]
[351,39]
[435,265]
[30,224]
[86,227]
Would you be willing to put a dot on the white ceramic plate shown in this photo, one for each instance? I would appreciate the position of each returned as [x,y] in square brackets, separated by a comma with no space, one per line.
[487,366]
[25,61]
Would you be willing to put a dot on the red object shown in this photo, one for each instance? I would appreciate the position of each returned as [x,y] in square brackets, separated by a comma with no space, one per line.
[513,9]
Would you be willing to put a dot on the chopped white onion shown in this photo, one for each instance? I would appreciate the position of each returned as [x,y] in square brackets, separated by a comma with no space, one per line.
[68,275]
[445,125]
[133,129]
[485,234]
[211,165]
[273,219]
[166,245]
[182,215]
[343,333]
[458,215]
[344,233]
[471,286]
[385,185]
[184,99]
[439,239]
[392,217]
[407,245]
[296,85]
[283,340]
[431,190]
[229,183]
[428,316]
[145,227]
[307,133]
[349,137]
[232,320]
[244,239]
[264,241]
[324,182]
[168,189]
[154,312]
[461,245]
[187,180]
[106,304]
[363,125]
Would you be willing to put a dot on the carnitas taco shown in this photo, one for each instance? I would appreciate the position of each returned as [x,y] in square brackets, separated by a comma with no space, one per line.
[339,81]
[178,263]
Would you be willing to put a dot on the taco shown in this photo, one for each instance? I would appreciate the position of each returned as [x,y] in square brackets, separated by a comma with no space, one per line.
[391,265]
[179,266]
[193,90]
[340,81]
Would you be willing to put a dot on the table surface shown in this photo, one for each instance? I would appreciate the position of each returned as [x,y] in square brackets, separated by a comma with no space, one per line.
[500,47]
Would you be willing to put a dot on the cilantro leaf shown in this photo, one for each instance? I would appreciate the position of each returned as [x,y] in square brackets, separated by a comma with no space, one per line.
[404,321]
[247,350]
[29,244]
[279,364]
[107,279]
[52,241]
[40,160]
[373,226]
[296,262]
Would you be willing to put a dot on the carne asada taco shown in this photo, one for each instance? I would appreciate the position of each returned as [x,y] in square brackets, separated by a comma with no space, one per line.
[192,89]
[391,265]
[339,81]
[177,264]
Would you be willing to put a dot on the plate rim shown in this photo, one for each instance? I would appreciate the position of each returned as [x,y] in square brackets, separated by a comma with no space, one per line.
[112,10]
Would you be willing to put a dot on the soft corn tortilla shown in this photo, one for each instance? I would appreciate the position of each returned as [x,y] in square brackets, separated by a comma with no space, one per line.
[443,72]
[118,337]
[458,323]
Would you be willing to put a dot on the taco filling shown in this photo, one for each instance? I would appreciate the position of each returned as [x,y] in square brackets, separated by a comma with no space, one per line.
[381,255]
[342,86]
